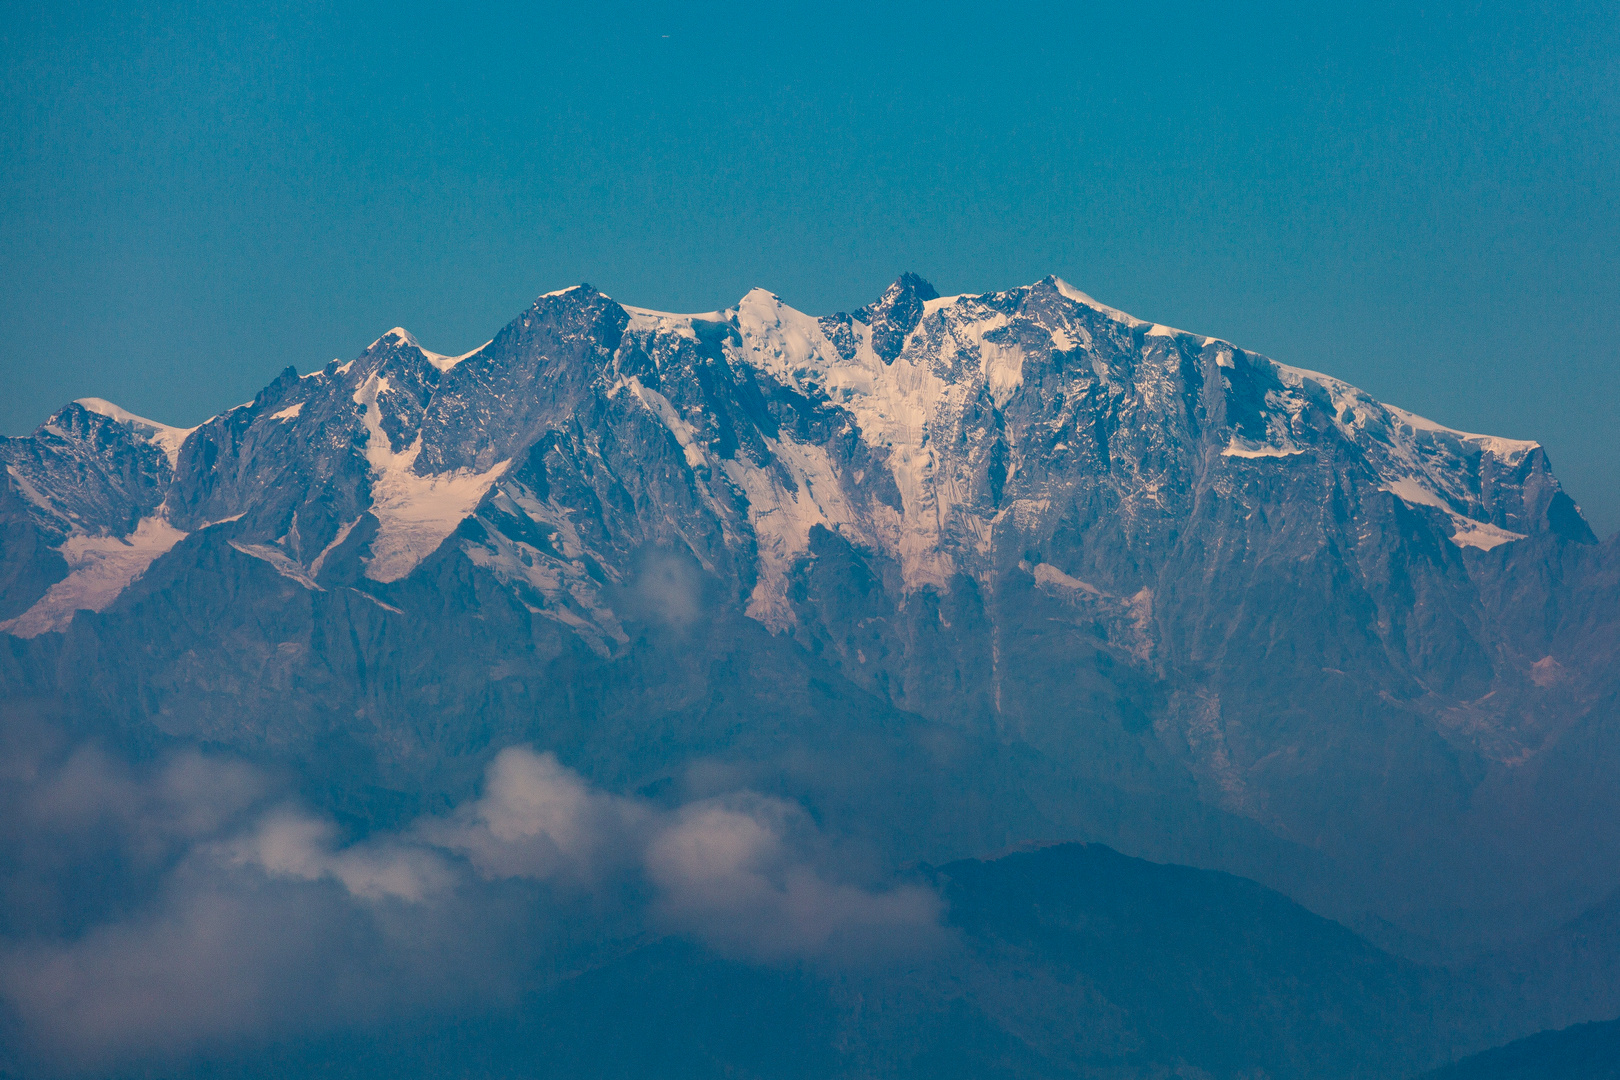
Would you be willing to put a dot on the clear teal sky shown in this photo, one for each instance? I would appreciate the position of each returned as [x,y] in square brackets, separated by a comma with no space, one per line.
[1421,198]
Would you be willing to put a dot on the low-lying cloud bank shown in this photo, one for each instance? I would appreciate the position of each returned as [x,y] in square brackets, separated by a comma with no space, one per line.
[155,911]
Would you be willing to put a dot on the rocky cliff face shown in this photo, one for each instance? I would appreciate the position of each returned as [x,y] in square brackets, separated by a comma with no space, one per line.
[1051,571]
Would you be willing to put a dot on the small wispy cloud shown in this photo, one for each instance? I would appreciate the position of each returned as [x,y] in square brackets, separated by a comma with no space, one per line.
[728,876]
[291,844]
[539,820]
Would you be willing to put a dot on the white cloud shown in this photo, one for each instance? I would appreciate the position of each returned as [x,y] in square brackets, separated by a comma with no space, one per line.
[207,962]
[290,844]
[724,870]
[186,798]
[539,820]
[252,918]
[729,877]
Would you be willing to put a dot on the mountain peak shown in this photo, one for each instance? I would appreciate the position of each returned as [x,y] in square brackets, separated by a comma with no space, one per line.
[896,313]
[401,336]
[164,436]
[916,283]
[583,287]
[116,412]
[1070,292]
[395,337]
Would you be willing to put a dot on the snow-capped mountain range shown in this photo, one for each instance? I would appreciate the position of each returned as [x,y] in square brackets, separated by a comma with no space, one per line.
[926,428]
[1165,565]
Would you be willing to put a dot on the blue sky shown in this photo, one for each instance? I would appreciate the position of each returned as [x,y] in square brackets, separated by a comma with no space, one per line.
[1422,199]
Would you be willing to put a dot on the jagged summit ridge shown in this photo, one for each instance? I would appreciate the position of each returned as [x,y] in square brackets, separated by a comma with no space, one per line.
[402,336]
[978,419]
[896,313]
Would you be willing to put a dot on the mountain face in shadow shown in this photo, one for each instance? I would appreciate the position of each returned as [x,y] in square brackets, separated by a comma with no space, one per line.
[1583,1052]
[1066,962]
[1071,961]
[951,574]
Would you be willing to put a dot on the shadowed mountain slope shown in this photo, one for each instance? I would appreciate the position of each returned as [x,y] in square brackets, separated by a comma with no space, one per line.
[1583,1052]
[1068,962]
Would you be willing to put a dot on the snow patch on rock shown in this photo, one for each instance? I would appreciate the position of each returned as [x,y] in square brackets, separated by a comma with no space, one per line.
[1049,575]
[894,407]
[100,567]
[559,589]
[337,542]
[33,494]
[278,559]
[660,407]
[1240,447]
[1467,532]
[645,320]
[438,360]
[414,513]
[1510,451]
[1072,293]
[782,517]
[165,437]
